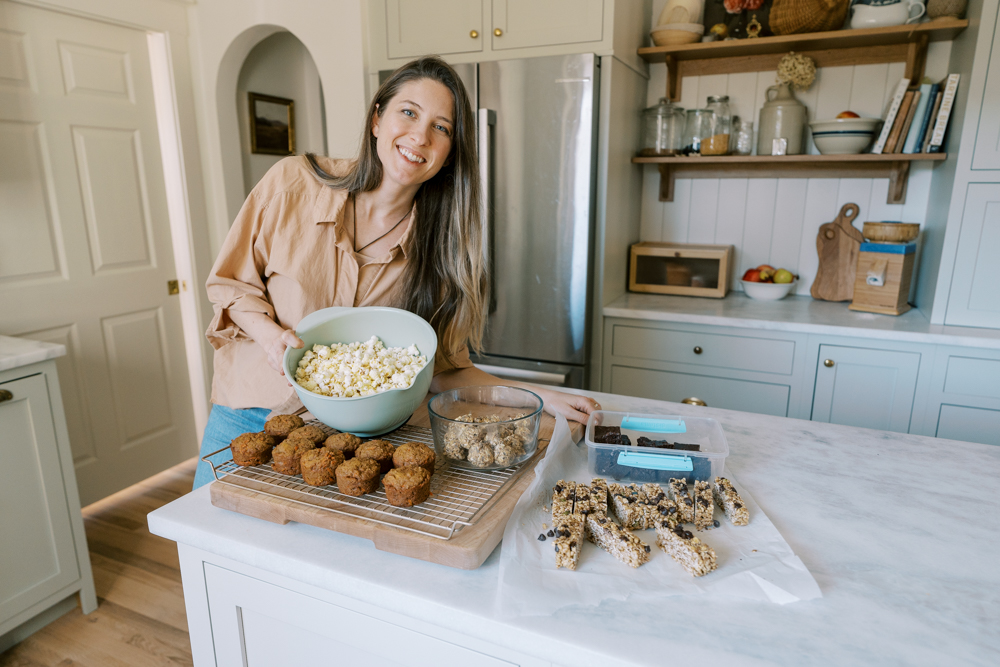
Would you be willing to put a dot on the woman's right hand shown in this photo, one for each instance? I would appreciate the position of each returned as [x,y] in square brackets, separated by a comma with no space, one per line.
[275,348]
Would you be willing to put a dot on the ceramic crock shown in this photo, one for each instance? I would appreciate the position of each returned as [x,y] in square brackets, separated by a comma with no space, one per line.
[781,117]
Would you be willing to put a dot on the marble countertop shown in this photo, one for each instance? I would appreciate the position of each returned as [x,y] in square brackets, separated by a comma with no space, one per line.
[900,531]
[17,352]
[798,314]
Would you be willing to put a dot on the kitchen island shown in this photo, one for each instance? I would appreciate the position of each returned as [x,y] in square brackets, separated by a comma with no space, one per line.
[900,531]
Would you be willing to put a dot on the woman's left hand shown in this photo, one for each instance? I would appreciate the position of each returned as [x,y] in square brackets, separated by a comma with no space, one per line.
[571,406]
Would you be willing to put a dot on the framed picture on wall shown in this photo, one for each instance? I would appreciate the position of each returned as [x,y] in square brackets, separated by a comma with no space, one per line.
[272,125]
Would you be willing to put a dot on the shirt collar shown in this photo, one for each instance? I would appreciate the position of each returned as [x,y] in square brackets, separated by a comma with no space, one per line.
[331,207]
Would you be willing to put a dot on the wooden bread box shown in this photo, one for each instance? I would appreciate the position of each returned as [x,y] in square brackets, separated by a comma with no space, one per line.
[680,268]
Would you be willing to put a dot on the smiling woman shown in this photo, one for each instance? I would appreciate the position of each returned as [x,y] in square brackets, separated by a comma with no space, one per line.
[399,226]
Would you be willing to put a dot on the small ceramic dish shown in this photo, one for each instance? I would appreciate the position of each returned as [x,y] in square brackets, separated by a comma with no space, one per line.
[673,34]
[843,136]
[768,291]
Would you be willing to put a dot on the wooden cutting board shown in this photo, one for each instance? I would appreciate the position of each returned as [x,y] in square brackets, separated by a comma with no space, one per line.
[838,244]
[466,550]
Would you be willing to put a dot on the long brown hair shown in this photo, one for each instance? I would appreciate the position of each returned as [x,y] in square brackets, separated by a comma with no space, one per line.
[445,281]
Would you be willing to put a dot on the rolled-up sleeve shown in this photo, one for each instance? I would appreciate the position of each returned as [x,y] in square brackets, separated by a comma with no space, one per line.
[236,281]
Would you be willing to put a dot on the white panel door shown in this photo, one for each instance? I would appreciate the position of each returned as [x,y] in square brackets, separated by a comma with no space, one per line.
[85,247]
[975,300]
[419,27]
[37,556]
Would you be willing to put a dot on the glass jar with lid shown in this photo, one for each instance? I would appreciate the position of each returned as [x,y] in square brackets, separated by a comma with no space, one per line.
[742,143]
[662,129]
[697,129]
[721,126]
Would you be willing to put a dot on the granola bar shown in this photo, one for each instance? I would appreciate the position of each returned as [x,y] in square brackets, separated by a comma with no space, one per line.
[625,503]
[617,541]
[729,500]
[694,555]
[569,539]
[679,494]
[562,499]
[703,505]
[599,496]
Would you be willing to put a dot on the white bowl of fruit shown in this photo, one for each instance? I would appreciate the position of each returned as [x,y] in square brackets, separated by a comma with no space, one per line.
[766,283]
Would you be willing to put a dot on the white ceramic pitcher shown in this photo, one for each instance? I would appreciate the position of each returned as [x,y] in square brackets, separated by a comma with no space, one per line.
[886,14]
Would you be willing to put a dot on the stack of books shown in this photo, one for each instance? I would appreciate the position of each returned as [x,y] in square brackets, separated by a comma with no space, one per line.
[917,118]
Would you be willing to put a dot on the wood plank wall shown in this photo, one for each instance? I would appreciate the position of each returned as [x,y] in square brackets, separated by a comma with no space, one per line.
[775,220]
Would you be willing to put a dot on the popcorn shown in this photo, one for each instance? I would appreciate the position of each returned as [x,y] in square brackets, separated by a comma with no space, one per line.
[346,370]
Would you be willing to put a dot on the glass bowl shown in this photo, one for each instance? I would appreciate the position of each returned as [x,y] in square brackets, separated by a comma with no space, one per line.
[485,428]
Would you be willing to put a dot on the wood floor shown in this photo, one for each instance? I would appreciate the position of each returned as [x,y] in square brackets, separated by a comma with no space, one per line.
[140,618]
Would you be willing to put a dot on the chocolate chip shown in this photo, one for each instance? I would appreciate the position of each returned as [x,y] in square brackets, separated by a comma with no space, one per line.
[715,523]
[557,547]
[737,505]
[550,533]
[687,501]
[541,538]
[646,547]
[572,544]
[558,489]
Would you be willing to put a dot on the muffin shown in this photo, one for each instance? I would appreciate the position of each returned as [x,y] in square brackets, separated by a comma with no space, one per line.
[406,487]
[287,455]
[345,443]
[280,426]
[357,477]
[313,434]
[252,449]
[380,451]
[414,454]
[319,466]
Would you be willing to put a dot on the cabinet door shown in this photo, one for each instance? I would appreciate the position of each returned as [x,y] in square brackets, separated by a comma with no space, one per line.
[258,623]
[524,23]
[986,154]
[961,422]
[865,387]
[760,397]
[975,300]
[37,556]
[418,27]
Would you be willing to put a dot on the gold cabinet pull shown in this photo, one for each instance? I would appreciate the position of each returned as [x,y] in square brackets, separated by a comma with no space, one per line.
[5,395]
[697,349]
[828,363]
[694,401]
[498,32]
[473,34]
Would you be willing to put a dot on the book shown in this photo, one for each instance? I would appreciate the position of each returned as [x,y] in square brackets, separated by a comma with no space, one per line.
[890,115]
[897,125]
[930,121]
[943,114]
[904,130]
[915,137]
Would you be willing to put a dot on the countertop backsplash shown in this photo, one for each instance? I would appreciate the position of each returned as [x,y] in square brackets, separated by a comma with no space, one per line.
[775,220]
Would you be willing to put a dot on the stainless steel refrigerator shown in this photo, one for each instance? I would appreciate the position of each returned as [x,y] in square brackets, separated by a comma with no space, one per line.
[537,124]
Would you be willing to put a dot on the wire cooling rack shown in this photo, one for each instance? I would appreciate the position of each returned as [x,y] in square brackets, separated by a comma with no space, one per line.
[458,495]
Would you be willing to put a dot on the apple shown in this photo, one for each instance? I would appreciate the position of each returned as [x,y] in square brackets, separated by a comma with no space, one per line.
[765,267]
[847,114]
[767,275]
[752,276]
[783,276]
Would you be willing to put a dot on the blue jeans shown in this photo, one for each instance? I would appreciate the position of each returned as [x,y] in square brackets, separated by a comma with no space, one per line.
[223,425]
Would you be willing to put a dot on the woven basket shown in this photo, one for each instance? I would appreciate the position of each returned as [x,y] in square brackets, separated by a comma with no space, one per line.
[791,17]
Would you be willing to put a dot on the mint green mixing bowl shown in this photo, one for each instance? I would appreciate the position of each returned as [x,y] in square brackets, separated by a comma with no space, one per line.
[364,416]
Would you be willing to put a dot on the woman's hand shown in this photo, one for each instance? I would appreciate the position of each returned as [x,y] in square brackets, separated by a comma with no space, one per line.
[571,406]
[275,349]
[269,335]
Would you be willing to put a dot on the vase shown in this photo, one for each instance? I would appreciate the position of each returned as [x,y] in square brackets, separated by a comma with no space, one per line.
[781,117]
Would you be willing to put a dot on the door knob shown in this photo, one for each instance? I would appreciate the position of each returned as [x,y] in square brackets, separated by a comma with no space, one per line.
[828,363]
[694,401]
[697,349]
[5,395]
[498,32]
[473,34]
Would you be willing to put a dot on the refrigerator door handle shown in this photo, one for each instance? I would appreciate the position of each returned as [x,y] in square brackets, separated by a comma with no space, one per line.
[487,119]
[540,377]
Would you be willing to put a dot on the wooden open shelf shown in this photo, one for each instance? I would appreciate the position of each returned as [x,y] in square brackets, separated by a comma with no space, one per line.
[901,43]
[895,166]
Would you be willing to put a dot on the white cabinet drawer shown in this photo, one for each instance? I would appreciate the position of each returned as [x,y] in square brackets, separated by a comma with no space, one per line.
[760,397]
[960,422]
[763,355]
[973,377]
[255,623]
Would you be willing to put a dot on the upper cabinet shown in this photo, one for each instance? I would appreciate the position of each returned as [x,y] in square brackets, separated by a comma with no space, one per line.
[465,31]
[518,24]
[974,299]
[417,27]
[986,154]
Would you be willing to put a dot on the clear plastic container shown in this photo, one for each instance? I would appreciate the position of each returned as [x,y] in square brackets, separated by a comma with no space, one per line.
[657,464]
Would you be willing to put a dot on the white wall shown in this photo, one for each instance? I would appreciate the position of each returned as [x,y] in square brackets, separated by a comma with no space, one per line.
[280,65]
[775,220]
[223,32]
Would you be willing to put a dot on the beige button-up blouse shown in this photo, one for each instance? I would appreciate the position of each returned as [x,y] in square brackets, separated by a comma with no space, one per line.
[287,255]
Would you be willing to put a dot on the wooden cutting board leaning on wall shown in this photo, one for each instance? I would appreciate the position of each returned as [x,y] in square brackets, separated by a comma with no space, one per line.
[837,244]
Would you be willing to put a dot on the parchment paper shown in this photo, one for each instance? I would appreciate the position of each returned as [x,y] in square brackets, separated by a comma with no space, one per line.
[754,561]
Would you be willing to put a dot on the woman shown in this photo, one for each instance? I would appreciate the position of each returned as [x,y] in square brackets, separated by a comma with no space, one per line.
[398,226]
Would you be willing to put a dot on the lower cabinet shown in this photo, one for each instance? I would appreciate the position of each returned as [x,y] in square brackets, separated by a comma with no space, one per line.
[871,388]
[964,396]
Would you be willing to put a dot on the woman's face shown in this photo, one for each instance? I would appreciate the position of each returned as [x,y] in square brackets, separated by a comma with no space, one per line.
[414,132]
